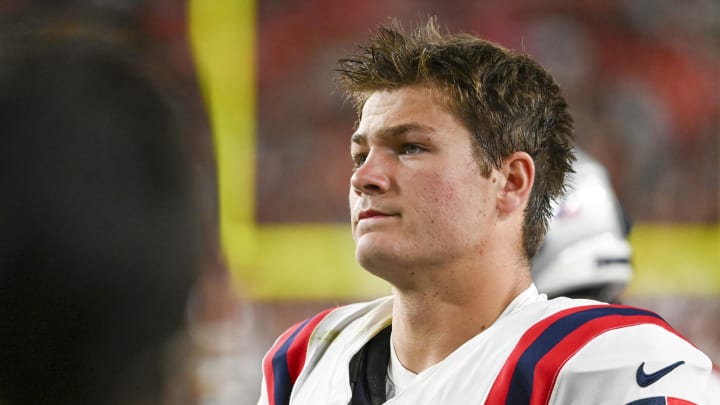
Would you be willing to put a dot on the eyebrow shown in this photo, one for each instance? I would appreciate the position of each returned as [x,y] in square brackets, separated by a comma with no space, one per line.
[392,132]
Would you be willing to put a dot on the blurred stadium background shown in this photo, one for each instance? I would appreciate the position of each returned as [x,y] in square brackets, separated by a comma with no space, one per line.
[271,132]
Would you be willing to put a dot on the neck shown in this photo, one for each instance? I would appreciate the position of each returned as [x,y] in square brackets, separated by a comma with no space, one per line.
[431,323]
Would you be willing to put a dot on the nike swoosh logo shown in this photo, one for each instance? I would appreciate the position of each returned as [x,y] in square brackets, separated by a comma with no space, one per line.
[645,380]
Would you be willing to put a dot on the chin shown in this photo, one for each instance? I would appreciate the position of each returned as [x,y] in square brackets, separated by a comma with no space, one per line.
[374,243]
[387,267]
[378,258]
[369,252]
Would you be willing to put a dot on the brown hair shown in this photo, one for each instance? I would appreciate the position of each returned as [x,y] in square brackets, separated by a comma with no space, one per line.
[507,101]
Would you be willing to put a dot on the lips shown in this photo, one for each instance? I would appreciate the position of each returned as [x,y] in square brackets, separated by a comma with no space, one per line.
[370,214]
[373,214]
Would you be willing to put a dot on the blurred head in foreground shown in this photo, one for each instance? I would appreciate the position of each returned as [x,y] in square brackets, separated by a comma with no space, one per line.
[585,253]
[99,231]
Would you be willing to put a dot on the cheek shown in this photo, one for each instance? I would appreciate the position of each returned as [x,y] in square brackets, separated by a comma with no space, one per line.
[451,190]
[456,201]
[440,197]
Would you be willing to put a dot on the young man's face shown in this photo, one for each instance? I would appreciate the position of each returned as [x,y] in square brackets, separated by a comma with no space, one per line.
[417,197]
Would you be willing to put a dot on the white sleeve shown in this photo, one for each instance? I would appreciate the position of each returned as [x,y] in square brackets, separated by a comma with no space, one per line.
[631,364]
[263,393]
[714,391]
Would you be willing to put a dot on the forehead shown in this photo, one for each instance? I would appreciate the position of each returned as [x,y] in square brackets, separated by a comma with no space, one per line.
[415,106]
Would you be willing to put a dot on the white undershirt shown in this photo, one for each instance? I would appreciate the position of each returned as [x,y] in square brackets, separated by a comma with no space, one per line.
[399,378]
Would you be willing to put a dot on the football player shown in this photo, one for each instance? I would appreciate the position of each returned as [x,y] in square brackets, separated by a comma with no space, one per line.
[460,148]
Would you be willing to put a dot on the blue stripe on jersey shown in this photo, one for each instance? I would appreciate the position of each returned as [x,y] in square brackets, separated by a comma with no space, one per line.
[521,384]
[649,401]
[281,373]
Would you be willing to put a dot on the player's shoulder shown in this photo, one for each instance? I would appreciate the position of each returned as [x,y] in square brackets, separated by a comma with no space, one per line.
[627,347]
[585,321]
[322,328]
[302,345]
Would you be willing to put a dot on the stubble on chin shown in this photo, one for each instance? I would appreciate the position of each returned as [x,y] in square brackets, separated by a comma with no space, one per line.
[381,259]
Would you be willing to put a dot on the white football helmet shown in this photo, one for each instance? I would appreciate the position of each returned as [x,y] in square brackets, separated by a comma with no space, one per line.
[585,253]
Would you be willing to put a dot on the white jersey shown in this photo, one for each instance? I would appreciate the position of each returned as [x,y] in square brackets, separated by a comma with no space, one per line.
[539,351]
[714,389]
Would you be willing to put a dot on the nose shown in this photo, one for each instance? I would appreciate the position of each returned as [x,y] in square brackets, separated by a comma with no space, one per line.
[372,177]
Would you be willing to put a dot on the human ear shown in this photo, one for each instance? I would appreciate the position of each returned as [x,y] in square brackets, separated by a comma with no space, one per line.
[518,171]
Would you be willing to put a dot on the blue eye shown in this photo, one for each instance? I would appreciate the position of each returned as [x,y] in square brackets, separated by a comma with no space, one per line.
[358,159]
[411,149]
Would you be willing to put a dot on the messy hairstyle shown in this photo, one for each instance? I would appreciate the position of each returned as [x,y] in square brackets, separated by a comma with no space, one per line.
[508,102]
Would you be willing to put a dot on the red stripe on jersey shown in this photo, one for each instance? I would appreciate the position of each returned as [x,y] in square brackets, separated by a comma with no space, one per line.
[268,366]
[547,369]
[499,390]
[678,401]
[297,352]
[286,358]
[532,367]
